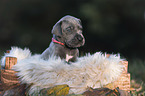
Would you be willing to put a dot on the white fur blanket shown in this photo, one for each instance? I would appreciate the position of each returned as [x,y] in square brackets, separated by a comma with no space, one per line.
[88,71]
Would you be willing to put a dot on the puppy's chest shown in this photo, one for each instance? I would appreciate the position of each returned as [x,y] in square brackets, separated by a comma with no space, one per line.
[69,54]
[68,57]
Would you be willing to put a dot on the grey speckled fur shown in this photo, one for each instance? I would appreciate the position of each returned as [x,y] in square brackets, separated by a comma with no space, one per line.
[67,30]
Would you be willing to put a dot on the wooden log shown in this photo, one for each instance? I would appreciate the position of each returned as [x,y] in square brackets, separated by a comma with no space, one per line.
[123,82]
[125,63]
[10,61]
[8,79]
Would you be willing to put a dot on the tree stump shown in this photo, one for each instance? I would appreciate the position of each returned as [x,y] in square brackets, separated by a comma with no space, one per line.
[8,77]
[124,81]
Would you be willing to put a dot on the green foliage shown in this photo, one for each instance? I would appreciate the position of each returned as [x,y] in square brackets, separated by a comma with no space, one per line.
[138,88]
[137,69]
[58,90]
[111,26]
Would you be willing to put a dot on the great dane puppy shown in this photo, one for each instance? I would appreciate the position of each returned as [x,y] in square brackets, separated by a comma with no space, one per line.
[67,37]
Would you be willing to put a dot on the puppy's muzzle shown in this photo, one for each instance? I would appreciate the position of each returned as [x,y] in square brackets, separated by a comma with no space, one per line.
[79,38]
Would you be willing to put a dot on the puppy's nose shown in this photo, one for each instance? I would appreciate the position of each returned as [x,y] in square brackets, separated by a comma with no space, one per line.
[79,37]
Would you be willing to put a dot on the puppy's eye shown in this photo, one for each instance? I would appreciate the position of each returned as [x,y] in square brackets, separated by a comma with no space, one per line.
[69,28]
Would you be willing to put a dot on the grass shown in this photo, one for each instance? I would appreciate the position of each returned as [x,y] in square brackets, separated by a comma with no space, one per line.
[137,71]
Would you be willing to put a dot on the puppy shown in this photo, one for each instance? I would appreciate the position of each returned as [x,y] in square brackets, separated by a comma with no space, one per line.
[67,37]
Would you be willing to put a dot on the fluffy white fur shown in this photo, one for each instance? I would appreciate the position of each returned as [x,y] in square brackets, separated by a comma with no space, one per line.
[89,71]
[16,52]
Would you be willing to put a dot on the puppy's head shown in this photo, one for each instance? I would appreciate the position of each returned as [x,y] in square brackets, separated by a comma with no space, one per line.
[68,30]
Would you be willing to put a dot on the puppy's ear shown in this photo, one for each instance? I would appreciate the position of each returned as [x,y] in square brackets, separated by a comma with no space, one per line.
[57,29]
[80,21]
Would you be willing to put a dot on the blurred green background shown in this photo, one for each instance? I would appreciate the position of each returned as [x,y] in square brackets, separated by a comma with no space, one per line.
[112,26]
